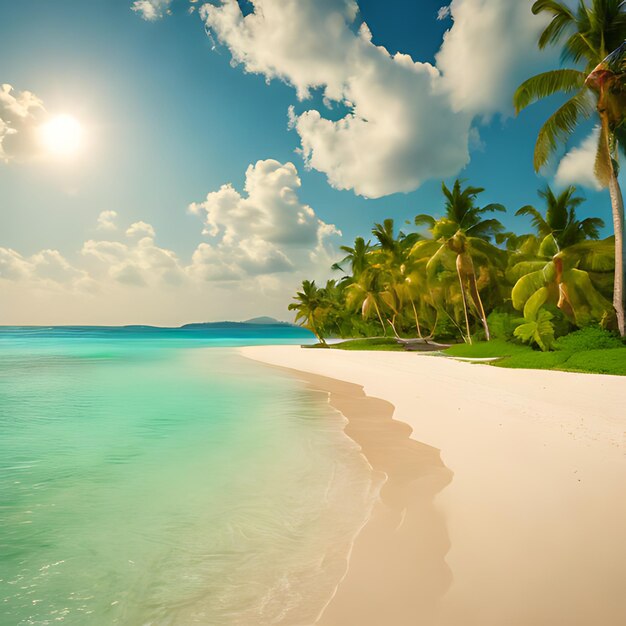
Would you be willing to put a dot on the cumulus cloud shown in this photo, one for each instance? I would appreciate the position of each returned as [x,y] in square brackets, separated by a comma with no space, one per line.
[400,129]
[577,166]
[140,229]
[47,268]
[490,49]
[21,113]
[152,10]
[407,121]
[106,220]
[258,241]
[264,230]
[141,263]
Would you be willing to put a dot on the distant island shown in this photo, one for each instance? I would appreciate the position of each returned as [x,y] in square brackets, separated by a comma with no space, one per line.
[255,321]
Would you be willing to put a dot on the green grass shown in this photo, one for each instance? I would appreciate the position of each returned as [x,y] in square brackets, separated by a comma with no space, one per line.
[487,349]
[535,360]
[610,360]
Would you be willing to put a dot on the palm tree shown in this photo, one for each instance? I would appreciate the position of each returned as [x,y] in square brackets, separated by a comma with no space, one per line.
[559,263]
[465,234]
[365,293]
[591,33]
[560,222]
[357,256]
[309,307]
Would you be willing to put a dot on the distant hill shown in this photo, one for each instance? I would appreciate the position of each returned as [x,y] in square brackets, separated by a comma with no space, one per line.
[255,321]
[264,319]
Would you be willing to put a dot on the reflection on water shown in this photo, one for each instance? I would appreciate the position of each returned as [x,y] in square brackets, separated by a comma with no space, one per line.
[153,484]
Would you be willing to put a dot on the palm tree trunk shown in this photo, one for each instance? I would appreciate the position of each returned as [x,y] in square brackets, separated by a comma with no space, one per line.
[417,322]
[617,204]
[464,298]
[380,317]
[473,284]
[392,323]
[316,332]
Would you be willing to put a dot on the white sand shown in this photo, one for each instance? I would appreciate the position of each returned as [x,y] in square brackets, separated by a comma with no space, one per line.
[536,510]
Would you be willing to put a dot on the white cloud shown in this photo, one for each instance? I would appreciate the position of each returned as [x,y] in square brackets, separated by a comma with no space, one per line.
[141,263]
[152,10]
[407,121]
[106,220]
[263,231]
[400,129]
[490,49]
[21,113]
[443,13]
[47,268]
[577,166]
[140,229]
[259,243]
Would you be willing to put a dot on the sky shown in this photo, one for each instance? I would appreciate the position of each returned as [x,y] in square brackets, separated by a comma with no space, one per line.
[224,151]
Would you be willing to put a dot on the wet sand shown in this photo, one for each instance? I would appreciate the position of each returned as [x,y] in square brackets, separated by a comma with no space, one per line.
[397,570]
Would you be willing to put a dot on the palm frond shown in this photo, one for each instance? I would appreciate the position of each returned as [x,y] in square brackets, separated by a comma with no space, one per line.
[546,84]
[560,125]
[485,229]
[424,220]
[561,13]
[591,227]
[490,208]
[537,220]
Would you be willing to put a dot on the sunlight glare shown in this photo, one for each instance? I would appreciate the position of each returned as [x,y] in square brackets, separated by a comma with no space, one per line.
[62,136]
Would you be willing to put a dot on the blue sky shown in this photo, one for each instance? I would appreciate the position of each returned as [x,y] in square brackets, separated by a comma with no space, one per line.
[168,119]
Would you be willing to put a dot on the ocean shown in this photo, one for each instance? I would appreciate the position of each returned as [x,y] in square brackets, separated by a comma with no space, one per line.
[156,477]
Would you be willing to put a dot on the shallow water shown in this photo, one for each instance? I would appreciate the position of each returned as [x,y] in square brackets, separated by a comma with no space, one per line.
[165,480]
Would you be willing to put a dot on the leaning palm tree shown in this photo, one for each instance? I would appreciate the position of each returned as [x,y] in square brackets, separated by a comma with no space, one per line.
[463,233]
[597,86]
[309,307]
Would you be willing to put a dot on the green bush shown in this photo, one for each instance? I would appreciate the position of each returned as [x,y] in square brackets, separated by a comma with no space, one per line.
[589,338]
[502,324]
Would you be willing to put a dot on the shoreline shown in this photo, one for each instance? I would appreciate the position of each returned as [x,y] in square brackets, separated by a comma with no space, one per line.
[411,474]
[534,516]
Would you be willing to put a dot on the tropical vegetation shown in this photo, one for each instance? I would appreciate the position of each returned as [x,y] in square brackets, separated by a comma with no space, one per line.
[462,277]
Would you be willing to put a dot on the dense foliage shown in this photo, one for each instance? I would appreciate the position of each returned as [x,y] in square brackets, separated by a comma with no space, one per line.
[462,277]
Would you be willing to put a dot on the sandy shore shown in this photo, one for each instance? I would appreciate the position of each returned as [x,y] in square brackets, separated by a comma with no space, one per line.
[505,505]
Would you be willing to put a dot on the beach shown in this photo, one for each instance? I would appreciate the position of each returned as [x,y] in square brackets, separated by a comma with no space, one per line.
[504,497]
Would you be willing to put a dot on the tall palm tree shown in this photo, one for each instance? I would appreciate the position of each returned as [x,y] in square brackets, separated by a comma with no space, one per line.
[589,35]
[464,233]
[309,303]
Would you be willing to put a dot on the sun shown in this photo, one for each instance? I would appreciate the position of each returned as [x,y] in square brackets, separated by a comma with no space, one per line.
[62,136]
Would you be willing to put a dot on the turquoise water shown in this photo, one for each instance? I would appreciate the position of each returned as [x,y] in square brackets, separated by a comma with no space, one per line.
[158,478]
